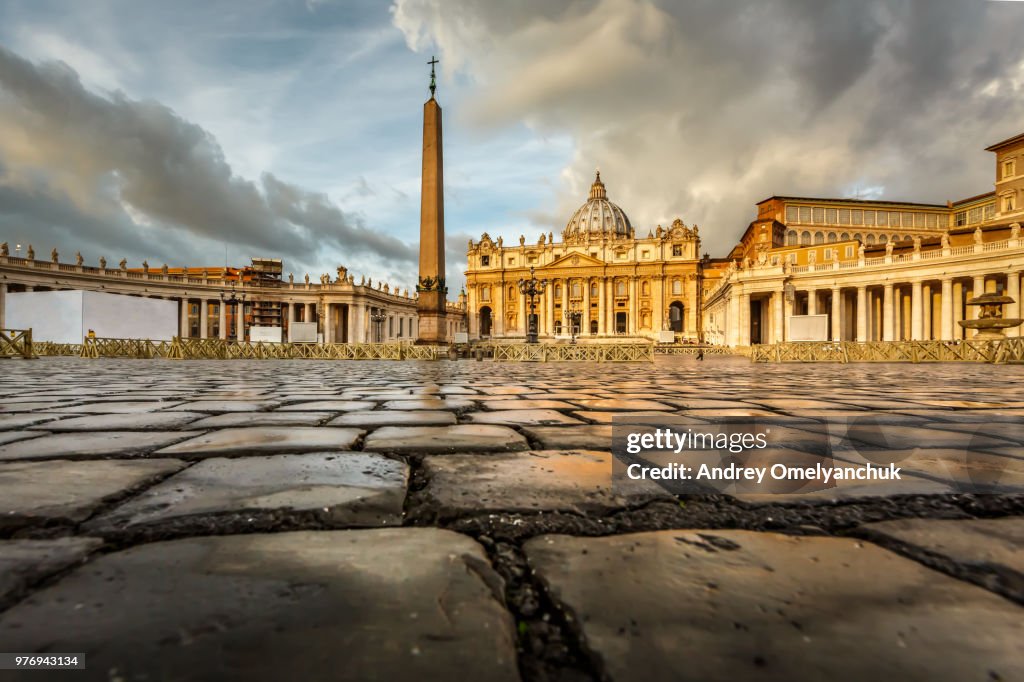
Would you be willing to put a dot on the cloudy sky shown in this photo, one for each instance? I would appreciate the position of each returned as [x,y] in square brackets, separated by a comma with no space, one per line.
[197,131]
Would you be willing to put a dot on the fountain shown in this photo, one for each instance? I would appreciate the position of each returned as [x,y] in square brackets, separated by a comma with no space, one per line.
[990,323]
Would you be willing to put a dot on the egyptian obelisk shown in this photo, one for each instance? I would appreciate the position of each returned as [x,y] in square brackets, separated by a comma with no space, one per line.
[431,287]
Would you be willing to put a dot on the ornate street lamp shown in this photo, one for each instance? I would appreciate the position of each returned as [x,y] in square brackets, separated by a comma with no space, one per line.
[531,288]
[573,317]
[377,317]
[238,302]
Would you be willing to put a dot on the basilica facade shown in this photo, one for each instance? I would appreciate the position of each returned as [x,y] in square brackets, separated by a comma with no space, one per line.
[603,281]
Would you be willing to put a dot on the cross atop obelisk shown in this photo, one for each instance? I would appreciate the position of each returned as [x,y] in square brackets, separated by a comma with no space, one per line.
[431,289]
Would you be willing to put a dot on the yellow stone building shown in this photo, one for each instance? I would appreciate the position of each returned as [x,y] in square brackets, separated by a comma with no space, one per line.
[622,286]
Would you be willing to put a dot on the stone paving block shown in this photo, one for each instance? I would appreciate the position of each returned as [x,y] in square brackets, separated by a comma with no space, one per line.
[429,404]
[963,470]
[351,488]
[791,404]
[148,421]
[548,480]
[614,404]
[70,491]
[394,417]
[441,439]
[118,407]
[217,406]
[329,406]
[497,405]
[230,419]
[385,604]
[993,546]
[264,440]
[23,562]
[525,417]
[587,437]
[92,444]
[14,436]
[625,417]
[739,605]
[21,421]
[10,406]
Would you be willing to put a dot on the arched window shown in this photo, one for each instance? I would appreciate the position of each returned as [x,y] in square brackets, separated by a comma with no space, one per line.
[620,288]
[593,290]
[485,293]
[792,238]
[805,238]
[576,290]
[845,236]
[819,237]
[870,239]
[882,238]
[645,289]
[511,292]
[859,237]
[558,291]
[831,237]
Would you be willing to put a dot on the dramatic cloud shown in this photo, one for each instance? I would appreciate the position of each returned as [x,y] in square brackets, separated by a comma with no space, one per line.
[106,173]
[699,109]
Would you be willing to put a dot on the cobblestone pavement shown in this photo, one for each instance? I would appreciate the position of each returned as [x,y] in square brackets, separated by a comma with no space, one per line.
[268,520]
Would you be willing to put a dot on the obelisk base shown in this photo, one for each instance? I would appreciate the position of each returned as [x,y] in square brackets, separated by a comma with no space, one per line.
[432,327]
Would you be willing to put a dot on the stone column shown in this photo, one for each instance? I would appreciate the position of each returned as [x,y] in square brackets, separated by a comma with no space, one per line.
[916,312]
[978,290]
[292,312]
[222,315]
[887,312]
[812,302]
[602,304]
[204,313]
[328,323]
[522,313]
[1012,309]
[837,314]
[565,302]
[183,327]
[634,309]
[499,306]
[240,321]
[926,311]
[744,320]
[958,311]
[732,332]
[549,311]
[787,313]
[585,319]
[862,314]
[779,324]
[352,315]
[3,305]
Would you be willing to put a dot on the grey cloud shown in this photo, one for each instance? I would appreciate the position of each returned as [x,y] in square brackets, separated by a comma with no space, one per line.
[699,109]
[110,162]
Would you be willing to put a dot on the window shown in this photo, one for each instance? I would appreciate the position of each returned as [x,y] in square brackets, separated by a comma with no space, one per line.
[620,288]
[593,254]
[792,238]
[805,238]
[869,218]
[828,254]
[485,261]
[805,214]
[819,237]
[819,215]
[791,257]
[531,259]
[775,261]
[485,293]
[645,289]
[831,237]
[961,218]
[1009,169]
[401,327]
[677,249]
[1008,203]
[511,292]
[593,290]
[558,291]
[881,218]
[990,211]
[830,216]
[646,254]
[677,287]
[511,261]
[791,214]
[576,291]
[856,217]
[849,252]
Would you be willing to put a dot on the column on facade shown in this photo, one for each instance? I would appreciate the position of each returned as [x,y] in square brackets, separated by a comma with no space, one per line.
[3,305]
[204,313]
[787,315]
[659,303]
[353,314]
[861,334]
[549,310]
[522,313]
[744,320]
[732,331]
[565,304]
[977,290]
[916,311]
[1012,309]
[837,314]
[946,330]
[634,308]
[292,312]
[328,323]
[926,312]
[585,319]
[183,326]
[887,312]
[239,321]
[812,302]
[499,306]
[222,317]
[602,315]
[779,323]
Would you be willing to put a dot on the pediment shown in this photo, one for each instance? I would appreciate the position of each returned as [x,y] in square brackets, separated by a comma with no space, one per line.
[573,260]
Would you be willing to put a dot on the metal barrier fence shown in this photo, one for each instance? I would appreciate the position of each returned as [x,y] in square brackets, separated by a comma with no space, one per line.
[220,349]
[16,343]
[540,352]
[1005,351]
[691,349]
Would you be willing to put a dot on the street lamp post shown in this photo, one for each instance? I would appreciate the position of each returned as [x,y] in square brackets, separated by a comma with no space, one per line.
[238,302]
[377,317]
[573,317]
[531,288]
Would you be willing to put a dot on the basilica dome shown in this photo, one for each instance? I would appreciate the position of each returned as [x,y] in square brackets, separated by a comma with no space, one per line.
[598,217]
